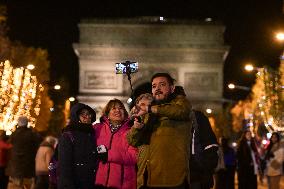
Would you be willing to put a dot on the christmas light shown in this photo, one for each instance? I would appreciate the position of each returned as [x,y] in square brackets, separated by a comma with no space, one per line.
[19,95]
[266,102]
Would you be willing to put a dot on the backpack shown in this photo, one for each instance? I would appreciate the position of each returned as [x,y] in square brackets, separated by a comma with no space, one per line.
[53,171]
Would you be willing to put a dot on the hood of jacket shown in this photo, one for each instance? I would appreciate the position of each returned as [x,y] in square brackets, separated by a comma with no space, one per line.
[75,110]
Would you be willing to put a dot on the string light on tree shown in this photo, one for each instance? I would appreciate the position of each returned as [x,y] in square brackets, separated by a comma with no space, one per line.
[20,94]
[265,103]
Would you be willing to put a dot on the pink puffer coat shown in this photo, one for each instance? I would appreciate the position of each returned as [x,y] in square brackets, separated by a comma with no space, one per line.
[120,169]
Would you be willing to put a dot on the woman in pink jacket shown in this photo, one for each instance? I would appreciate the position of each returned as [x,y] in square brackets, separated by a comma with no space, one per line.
[117,165]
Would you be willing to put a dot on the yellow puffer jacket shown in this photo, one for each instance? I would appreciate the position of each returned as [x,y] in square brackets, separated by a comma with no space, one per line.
[166,155]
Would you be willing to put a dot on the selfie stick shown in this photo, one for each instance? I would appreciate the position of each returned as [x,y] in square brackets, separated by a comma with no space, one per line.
[128,73]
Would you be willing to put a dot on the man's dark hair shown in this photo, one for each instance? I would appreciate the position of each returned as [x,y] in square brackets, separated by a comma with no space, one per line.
[179,90]
[166,75]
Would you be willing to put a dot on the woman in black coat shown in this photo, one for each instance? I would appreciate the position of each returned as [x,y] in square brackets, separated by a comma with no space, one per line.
[248,162]
[77,150]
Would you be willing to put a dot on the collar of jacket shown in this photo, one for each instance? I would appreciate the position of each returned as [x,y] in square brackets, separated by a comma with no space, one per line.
[82,127]
[22,127]
[104,119]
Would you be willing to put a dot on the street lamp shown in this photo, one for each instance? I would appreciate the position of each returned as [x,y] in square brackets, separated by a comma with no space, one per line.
[71,99]
[30,67]
[249,67]
[208,19]
[57,87]
[233,86]
[280,36]
[208,110]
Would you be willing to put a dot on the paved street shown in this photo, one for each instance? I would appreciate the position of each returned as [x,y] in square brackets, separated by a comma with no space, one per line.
[261,185]
[264,184]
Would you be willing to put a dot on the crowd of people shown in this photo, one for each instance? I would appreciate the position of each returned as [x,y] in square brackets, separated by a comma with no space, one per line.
[161,143]
[251,162]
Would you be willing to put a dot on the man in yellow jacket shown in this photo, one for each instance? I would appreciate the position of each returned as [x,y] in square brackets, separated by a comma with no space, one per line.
[163,160]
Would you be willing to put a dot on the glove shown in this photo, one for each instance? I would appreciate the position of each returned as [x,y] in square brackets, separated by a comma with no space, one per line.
[135,118]
[102,153]
[271,155]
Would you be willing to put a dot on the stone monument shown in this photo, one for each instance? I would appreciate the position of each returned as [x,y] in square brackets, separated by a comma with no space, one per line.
[193,52]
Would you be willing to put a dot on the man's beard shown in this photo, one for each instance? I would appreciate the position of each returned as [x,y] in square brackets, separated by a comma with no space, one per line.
[157,102]
[167,99]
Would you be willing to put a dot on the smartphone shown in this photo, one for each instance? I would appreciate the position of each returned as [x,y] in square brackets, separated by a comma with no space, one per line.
[120,68]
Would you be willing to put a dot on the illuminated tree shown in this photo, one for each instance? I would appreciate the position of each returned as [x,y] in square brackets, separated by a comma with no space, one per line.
[21,56]
[264,106]
[281,98]
[20,94]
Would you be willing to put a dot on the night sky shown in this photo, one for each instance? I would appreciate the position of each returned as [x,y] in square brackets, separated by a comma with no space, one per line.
[250,27]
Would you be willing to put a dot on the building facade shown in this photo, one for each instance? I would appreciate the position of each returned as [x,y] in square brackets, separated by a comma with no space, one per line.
[193,52]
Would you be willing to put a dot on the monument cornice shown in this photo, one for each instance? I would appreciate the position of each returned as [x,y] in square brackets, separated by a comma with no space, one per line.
[148,20]
[151,35]
[193,47]
[188,55]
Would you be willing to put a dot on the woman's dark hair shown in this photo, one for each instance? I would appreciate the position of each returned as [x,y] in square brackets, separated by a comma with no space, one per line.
[111,104]
[243,140]
[179,90]
[277,136]
[269,147]
[243,137]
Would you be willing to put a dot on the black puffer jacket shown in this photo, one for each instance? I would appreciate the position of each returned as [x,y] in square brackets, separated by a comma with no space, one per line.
[77,153]
[203,161]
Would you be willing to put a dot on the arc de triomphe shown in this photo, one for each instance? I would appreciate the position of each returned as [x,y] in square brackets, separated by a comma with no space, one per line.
[192,52]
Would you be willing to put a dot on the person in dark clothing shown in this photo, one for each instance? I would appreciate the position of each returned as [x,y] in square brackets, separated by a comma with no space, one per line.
[204,149]
[21,166]
[77,150]
[225,178]
[248,162]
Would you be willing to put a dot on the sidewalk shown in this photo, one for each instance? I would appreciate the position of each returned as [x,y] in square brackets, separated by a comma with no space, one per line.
[264,184]
[259,184]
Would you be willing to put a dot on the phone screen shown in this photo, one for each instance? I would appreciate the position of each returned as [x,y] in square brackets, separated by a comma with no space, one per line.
[121,68]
